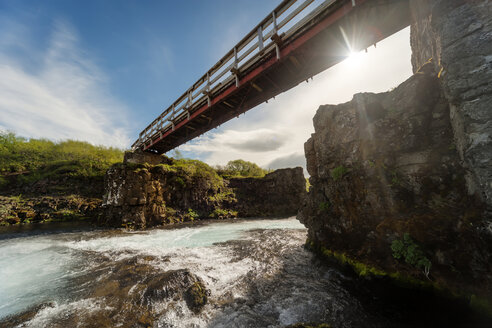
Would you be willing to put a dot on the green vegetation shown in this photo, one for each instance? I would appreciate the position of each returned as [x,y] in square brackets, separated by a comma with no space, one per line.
[408,250]
[241,169]
[192,214]
[338,172]
[227,196]
[324,206]
[188,171]
[25,161]
[219,213]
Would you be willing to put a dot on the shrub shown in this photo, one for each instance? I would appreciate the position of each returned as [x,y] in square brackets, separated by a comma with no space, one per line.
[192,214]
[241,168]
[338,172]
[408,250]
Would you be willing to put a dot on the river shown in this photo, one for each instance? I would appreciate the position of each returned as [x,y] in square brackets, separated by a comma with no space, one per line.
[257,274]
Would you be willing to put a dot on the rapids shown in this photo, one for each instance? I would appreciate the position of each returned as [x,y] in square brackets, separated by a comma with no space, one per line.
[256,272]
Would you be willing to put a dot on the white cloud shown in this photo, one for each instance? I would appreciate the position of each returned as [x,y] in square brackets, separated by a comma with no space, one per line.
[289,116]
[65,96]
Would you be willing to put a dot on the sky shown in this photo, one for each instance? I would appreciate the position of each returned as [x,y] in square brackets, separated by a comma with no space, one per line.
[101,71]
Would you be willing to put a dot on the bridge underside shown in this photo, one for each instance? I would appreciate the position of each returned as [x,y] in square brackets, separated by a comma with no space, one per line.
[318,46]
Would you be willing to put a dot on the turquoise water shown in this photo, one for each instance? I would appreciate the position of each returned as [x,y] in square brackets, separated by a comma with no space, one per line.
[38,269]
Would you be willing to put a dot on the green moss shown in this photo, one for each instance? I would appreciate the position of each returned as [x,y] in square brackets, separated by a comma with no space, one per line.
[180,181]
[481,305]
[478,304]
[196,296]
[167,168]
[338,172]
[360,268]
[309,325]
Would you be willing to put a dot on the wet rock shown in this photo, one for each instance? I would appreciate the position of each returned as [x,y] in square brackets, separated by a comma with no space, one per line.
[196,296]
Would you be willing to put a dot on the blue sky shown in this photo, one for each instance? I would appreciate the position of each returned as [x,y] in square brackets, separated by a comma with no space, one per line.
[100,71]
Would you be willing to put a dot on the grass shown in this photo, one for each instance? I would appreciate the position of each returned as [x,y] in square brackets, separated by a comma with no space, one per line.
[26,161]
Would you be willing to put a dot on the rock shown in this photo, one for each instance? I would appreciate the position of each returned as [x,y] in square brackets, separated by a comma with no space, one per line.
[196,296]
[457,35]
[140,287]
[142,195]
[279,193]
[141,157]
[386,165]
[44,209]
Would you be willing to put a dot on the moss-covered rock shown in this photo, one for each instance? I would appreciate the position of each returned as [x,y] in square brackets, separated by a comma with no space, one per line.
[24,210]
[196,296]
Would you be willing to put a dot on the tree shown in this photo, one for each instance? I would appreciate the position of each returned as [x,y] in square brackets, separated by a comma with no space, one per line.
[243,168]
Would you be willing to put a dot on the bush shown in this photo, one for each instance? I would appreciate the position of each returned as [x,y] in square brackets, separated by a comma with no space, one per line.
[408,250]
[241,168]
[192,214]
[338,172]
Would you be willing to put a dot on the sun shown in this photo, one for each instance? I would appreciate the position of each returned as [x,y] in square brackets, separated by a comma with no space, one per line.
[354,58]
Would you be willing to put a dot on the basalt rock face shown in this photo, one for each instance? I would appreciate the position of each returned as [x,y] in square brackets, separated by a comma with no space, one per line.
[457,35]
[144,195]
[386,165]
[277,194]
[141,195]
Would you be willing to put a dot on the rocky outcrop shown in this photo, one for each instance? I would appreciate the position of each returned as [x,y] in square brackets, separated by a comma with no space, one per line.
[276,194]
[457,35]
[169,191]
[389,188]
[22,210]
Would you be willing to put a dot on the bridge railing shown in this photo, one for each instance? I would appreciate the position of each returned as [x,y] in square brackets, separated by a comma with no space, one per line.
[286,19]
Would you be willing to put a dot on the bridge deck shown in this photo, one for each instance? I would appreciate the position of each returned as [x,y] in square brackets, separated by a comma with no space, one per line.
[317,42]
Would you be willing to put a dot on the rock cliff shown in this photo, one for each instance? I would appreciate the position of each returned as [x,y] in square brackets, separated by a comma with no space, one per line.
[140,195]
[457,35]
[276,194]
[389,188]
[401,181]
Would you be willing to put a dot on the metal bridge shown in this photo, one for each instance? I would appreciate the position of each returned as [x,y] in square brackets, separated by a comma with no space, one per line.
[296,41]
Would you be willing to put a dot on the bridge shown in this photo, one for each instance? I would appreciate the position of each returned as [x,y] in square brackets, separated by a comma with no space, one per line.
[296,41]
